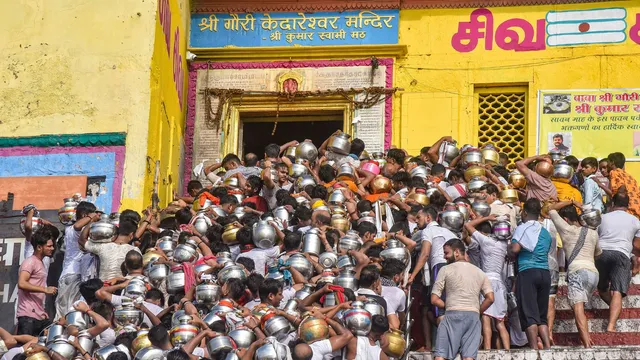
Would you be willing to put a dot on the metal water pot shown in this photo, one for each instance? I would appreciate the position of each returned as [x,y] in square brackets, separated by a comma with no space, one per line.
[328,259]
[63,347]
[481,208]
[208,293]
[201,222]
[374,308]
[517,180]
[556,155]
[450,151]
[231,270]
[214,321]
[150,353]
[420,171]
[591,218]
[264,235]
[340,222]
[300,263]
[204,267]
[229,234]
[297,169]
[78,319]
[175,280]
[345,261]
[128,315]
[157,272]
[114,218]
[36,224]
[346,172]
[474,171]
[311,242]
[347,279]
[501,229]
[276,326]
[239,212]
[232,182]
[473,156]
[307,289]
[272,350]
[476,183]
[340,143]
[312,329]
[141,341]
[304,181]
[465,211]
[86,341]
[350,243]
[243,337]
[273,272]
[184,332]
[358,320]
[219,344]
[167,245]
[490,155]
[544,169]
[103,353]
[452,220]
[395,250]
[216,210]
[380,185]
[281,213]
[307,151]
[337,197]
[67,213]
[562,172]
[55,331]
[397,343]
[102,231]
[223,257]
[185,253]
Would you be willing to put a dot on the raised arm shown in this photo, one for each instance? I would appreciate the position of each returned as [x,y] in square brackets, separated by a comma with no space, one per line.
[433,151]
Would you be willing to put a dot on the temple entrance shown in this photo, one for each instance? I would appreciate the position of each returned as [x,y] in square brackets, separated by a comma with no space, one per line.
[257,128]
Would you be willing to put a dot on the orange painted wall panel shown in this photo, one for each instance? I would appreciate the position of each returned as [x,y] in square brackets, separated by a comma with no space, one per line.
[46,192]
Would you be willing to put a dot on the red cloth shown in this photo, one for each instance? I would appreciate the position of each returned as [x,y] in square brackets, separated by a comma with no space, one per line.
[247,248]
[259,201]
[338,291]
[204,259]
[189,276]
[207,196]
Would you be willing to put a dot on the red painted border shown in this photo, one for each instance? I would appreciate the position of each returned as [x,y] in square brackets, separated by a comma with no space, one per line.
[602,339]
[598,314]
[193,77]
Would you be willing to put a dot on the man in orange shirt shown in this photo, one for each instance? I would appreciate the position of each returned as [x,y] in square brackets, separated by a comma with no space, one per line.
[622,182]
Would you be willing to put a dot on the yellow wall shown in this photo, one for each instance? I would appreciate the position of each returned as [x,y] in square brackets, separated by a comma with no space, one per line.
[439,82]
[72,67]
[166,116]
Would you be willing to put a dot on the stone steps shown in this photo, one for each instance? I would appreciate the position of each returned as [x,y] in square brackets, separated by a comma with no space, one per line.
[595,353]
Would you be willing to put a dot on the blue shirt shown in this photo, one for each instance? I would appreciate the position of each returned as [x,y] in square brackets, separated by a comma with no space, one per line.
[538,259]
[591,194]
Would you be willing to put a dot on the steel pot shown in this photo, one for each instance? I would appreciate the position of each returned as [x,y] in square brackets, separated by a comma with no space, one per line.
[78,319]
[36,224]
[328,259]
[175,280]
[350,243]
[450,151]
[327,276]
[544,168]
[167,245]
[307,151]
[591,218]
[273,272]
[562,172]
[128,315]
[136,287]
[501,229]
[243,337]
[291,306]
[371,166]
[141,341]
[67,213]
[358,320]
[183,333]
[374,308]
[474,171]
[347,279]
[223,257]
[149,353]
[157,272]
[63,348]
[481,208]
[264,235]
[420,171]
[340,143]
[452,220]
[55,331]
[312,329]
[86,341]
[103,353]
[556,155]
[345,261]
[232,182]
[208,293]
[239,212]
[291,151]
[517,180]
[490,156]
[297,169]
[231,270]
[216,210]
[185,253]
[272,350]
[476,183]
[276,326]
[397,343]
[282,213]
[102,231]
[303,181]
[300,263]
[420,198]
[395,250]
[220,344]
[307,289]
[229,234]
[464,210]
[215,320]
[39,356]
[508,196]
[473,156]
[346,172]
[114,218]
[380,185]
[201,222]
[337,197]
[311,242]
[202,268]
[150,256]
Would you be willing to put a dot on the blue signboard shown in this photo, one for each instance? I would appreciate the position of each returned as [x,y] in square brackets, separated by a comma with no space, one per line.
[294,29]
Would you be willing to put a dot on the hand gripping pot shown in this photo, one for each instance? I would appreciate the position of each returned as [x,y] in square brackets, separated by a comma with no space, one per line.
[591,218]
[340,144]
[306,290]
[347,279]
[102,231]
[36,224]
[501,229]
[452,220]
[357,319]
[67,213]
[150,353]
[243,337]
[307,151]
[297,169]
[63,347]
[450,151]
[271,350]
[397,343]
[78,319]
[264,235]
[312,329]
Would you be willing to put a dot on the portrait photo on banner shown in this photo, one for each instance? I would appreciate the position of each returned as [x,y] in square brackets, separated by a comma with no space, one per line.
[559,141]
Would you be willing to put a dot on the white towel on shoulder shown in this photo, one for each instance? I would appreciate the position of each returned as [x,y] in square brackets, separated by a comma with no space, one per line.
[527,234]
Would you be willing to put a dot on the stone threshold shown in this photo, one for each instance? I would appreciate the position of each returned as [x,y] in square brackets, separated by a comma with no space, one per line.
[556,353]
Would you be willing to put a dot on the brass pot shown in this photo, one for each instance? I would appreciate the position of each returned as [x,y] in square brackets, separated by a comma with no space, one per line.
[141,341]
[39,356]
[380,184]
[312,329]
[517,180]
[397,343]
[420,198]
[544,169]
[150,256]
[490,156]
[340,222]
[509,196]
[229,234]
[472,171]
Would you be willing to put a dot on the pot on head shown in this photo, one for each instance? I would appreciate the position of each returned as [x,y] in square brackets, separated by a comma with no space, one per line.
[452,220]
[562,172]
[78,319]
[371,166]
[264,235]
[544,168]
[420,171]
[346,172]
[508,196]
[474,171]
[149,353]
[243,337]
[311,242]
[556,155]
[63,347]
[307,151]
[476,183]
[231,270]
[591,218]
[450,151]
[312,329]
[340,143]
[517,180]
[490,156]
[102,231]
[473,156]
[67,213]
[481,208]
[380,184]
[357,319]
[501,229]
[297,169]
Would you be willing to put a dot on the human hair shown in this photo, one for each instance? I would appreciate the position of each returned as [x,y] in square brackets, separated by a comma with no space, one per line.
[438,170]
[155,294]
[558,136]
[462,199]
[228,199]
[323,219]
[183,216]
[415,209]
[194,185]
[357,146]
[133,260]
[379,324]
[231,158]
[289,200]
[590,161]
[569,212]
[368,276]
[620,200]
[103,308]
[177,354]
[533,208]
[255,183]
[158,336]
[214,235]
[253,282]
[118,355]
[484,227]
[245,236]
[327,173]
[425,150]
[303,213]
[281,166]
[391,268]
[502,171]
[269,287]
[218,247]
[249,219]
[272,150]
[617,158]
[169,223]
[248,263]
[417,183]
[417,161]
[491,189]
[319,192]
[219,192]
[84,208]
[127,227]
[503,156]
[281,194]
[130,215]
[88,290]
[455,244]
[333,236]
[292,241]
[250,160]
[44,235]
[432,211]
[364,205]
[126,339]
[455,175]
[396,155]
[366,227]
[438,200]
[401,177]
[374,251]
[236,288]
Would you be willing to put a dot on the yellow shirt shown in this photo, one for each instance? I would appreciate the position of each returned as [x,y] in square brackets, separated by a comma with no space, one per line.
[567,192]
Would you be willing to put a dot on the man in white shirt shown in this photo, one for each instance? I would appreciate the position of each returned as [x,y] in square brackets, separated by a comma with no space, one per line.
[324,349]
[618,232]
[113,254]
[390,276]
[498,208]
[260,257]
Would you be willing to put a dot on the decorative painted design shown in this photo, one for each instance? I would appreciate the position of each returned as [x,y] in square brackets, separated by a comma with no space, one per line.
[598,26]
[104,139]
[92,161]
[287,29]
[290,82]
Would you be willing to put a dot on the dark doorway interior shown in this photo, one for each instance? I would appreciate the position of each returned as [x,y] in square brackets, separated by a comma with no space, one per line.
[257,131]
